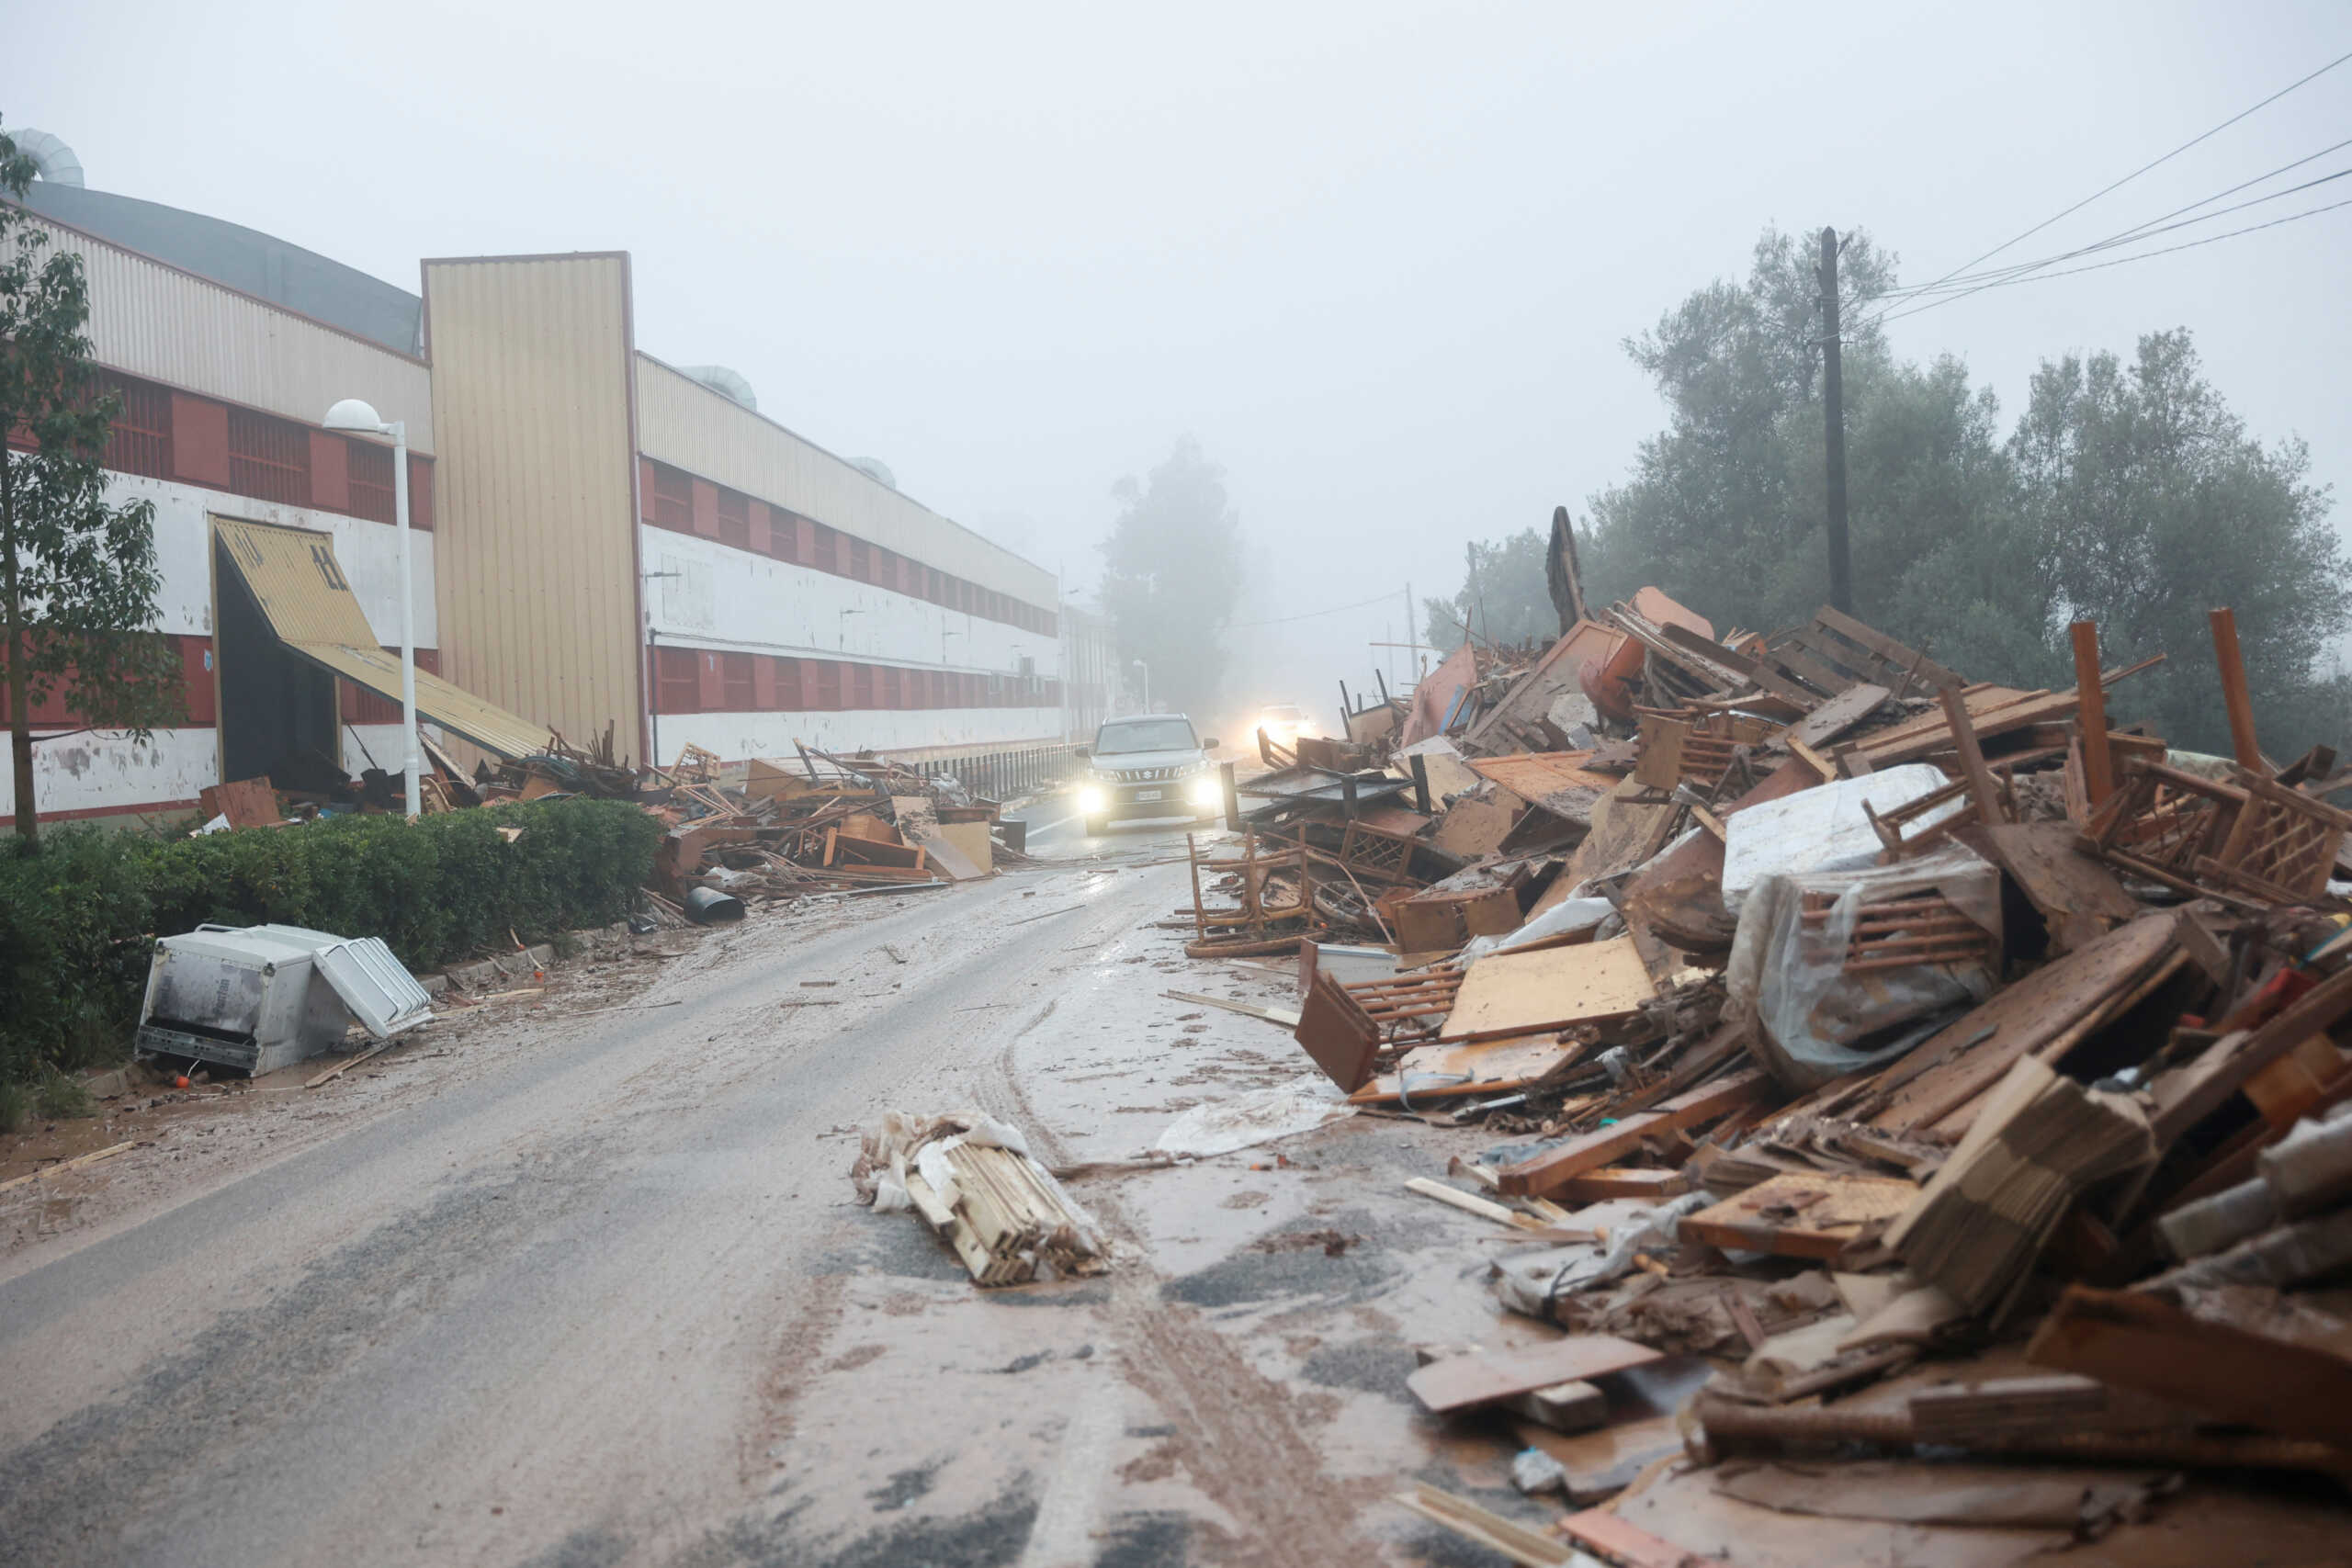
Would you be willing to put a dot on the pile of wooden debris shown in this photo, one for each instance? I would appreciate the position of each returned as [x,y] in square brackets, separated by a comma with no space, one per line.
[1905,1077]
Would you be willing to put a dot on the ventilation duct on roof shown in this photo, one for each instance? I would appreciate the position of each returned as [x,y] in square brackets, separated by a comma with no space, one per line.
[875,468]
[726,383]
[52,159]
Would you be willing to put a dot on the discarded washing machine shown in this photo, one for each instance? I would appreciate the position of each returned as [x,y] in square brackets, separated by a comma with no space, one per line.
[259,996]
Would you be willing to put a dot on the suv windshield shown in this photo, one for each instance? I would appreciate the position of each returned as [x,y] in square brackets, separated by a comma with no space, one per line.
[1145,735]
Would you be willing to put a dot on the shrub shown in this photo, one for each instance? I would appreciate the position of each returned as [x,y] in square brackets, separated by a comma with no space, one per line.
[79,919]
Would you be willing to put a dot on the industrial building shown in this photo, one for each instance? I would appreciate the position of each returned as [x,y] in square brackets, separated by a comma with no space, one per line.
[605,544]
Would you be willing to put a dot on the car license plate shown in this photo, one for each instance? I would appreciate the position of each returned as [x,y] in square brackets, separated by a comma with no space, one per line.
[1144,794]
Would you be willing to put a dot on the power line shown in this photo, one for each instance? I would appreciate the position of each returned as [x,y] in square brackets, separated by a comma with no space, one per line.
[2144,168]
[1975,283]
[2140,255]
[1285,620]
[2138,231]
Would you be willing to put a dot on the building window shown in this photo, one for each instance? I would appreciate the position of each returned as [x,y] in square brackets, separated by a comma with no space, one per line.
[859,693]
[673,498]
[828,694]
[860,560]
[735,682]
[735,519]
[826,560]
[681,680]
[372,481]
[788,685]
[141,441]
[269,459]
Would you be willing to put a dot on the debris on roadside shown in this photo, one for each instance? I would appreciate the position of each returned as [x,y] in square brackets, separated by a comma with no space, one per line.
[1927,1070]
[972,1179]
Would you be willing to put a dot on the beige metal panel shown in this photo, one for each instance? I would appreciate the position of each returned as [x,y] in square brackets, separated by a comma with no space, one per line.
[535,489]
[308,601]
[485,724]
[683,423]
[155,322]
[297,582]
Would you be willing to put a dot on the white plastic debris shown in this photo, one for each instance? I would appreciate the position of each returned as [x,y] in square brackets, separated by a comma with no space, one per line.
[1823,829]
[1260,1116]
[1534,1471]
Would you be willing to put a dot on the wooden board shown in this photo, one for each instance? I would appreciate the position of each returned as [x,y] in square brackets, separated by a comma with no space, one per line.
[1518,993]
[2079,899]
[2143,1342]
[1462,1382]
[1546,1173]
[1801,1214]
[1449,1072]
[1611,1181]
[247,803]
[1838,714]
[1925,1085]
[1337,1033]
[1472,828]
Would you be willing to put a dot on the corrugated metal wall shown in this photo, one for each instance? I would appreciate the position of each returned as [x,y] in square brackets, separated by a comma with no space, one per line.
[157,321]
[684,423]
[535,489]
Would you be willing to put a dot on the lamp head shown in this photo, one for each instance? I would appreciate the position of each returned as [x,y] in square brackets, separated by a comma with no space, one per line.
[356,413]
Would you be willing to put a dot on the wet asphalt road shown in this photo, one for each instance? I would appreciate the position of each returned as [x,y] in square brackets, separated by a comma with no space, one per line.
[608,1302]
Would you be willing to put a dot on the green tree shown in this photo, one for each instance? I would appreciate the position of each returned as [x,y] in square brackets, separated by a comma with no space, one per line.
[2147,505]
[1716,511]
[1503,596]
[1171,569]
[78,574]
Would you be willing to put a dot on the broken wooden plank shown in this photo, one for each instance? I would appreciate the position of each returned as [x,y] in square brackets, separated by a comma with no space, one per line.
[77,1163]
[2139,1341]
[2098,759]
[1546,1173]
[1524,992]
[1801,1214]
[1287,1017]
[1488,1377]
[1471,1203]
[1838,714]
[1981,790]
[1623,1181]
[2236,700]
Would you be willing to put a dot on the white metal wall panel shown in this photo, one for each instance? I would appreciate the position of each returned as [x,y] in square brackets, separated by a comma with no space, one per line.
[737,735]
[683,423]
[719,597]
[104,772]
[155,322]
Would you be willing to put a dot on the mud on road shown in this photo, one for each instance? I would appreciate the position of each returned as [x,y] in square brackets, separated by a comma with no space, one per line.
[586,1286]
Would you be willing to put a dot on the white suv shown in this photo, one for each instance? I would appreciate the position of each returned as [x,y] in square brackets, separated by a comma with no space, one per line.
[1151,765]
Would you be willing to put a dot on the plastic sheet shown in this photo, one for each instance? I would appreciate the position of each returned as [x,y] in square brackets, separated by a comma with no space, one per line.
[1221,1126]
[1822,828]
[1816,1023]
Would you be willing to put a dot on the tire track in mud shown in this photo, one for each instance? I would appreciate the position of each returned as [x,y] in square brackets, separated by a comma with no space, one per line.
[1233,1429]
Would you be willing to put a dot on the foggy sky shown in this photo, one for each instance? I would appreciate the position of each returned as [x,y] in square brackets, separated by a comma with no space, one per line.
[1378,258]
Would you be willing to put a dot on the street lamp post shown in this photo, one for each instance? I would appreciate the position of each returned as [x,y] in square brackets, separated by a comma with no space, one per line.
[359,418]
[1146,683]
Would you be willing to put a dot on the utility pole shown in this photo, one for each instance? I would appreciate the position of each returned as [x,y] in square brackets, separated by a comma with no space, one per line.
[1833,420]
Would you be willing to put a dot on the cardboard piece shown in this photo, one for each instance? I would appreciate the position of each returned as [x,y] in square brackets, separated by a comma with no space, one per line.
[1487,1377]
[1518,993]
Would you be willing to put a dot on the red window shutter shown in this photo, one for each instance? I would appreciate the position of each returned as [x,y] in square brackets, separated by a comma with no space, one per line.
[369,486]
[269,458]
[761,543]
[679,672]
[703,498]
[647,491]
[733,513]
[764,684]
[737,684]
[200,441]
[673,500]
[711,689]
[420,494]
[331,460]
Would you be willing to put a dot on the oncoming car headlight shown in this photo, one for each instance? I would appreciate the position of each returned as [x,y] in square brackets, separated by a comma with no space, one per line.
[1202,791]
[1091,799]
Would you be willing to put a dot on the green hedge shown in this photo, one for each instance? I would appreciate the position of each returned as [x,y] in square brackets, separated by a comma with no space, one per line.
[78,919]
